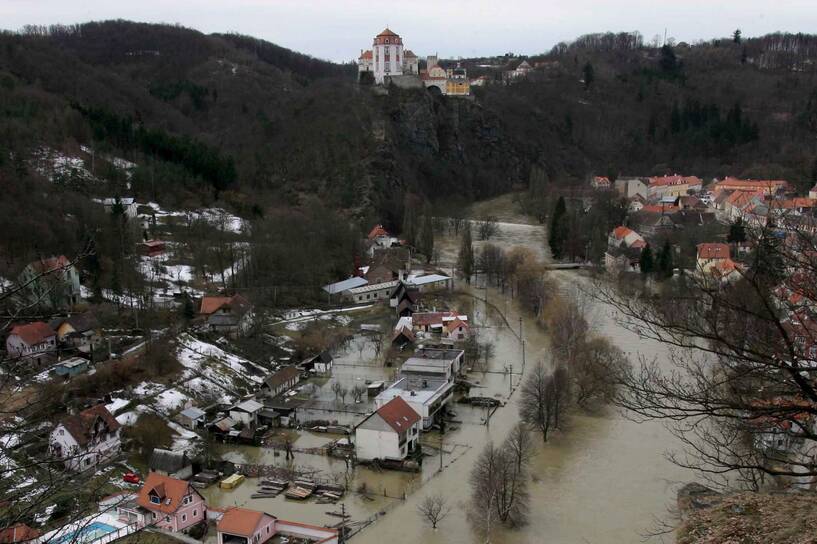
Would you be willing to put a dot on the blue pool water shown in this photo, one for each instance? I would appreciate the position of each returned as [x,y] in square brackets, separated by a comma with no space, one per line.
[85,535]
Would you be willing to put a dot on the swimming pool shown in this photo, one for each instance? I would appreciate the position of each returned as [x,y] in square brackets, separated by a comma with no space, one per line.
[85,535]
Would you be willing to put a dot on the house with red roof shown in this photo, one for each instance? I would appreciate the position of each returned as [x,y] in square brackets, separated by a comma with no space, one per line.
[245,526]
[710,254]
[673,185]
[87,439]
[768,187]
[51,283]
[35,342]
[601,183]
[625,237]
[392,432]
[18,533]
[171,504]
[231,315]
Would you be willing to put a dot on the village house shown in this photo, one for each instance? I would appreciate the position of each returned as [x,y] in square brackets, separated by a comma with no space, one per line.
[171,463]
[19,533]
[231,315]
[192,417]
[380,238]
[402,336]
[280,381]
[246,412]
[392,432]
[429,282]
[444,364]
[767,187]
[51,283]
[81,331]
[600,183]
[318,364]
[152,248]
[172,504]
[86,439]
[243,526]
[625,237]
[341,288]
[674,185]
[73,366]
[622,259]
[456,327]
[710,254]
[427,394]
[34,342]
[631,187]
[373,292]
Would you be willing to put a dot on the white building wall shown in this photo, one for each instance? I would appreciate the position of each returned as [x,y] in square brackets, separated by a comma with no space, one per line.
[372,444]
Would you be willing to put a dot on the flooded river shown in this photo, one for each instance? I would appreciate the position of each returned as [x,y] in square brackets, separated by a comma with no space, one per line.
[605,479]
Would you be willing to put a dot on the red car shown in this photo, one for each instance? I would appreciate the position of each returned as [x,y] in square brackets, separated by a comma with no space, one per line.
[132,478]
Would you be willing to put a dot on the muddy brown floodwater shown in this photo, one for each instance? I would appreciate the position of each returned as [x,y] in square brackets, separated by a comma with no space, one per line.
[604,480]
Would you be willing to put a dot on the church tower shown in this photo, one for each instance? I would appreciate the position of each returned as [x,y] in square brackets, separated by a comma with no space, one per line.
[387,55]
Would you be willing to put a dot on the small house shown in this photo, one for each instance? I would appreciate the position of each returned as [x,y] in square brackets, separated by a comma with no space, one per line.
[172,504]
[392,432]
[171,463]
[244,526]
[86,439]
[710,254]
[192,417]
[51,283]
[246,412]
[231,315]
[79,330]
[280,381]
[72,366]
[18,533]
[152,248]
[35,342]
[319,364]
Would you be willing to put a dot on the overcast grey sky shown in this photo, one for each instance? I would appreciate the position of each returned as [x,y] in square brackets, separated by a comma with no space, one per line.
[338,29]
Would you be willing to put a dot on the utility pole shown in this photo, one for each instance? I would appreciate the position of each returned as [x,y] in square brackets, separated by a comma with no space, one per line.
[523,356]
[342,533]
[441,451]
[520,328]
[510,382]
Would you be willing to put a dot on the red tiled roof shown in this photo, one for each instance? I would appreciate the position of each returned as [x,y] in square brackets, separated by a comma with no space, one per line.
[169,490]
[398,414]
[713,251]
[409,54]
[19,532]
[674,180]
[376,231]
[211,305]
[659,208]
[621,232]
[48,265]
[80,425]
[430,318]
[240,521]
[386,32]
[33,333]
[366,54]
[751,184]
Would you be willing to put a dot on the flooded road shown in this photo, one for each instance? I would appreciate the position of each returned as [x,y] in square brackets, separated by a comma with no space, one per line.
[605,479]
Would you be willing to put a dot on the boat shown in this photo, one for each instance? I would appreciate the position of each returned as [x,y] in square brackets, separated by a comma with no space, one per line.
[231,481]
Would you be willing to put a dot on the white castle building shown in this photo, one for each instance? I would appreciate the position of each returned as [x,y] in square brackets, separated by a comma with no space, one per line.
[387,58]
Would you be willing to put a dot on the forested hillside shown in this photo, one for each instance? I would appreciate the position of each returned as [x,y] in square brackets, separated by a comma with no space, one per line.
[260,128]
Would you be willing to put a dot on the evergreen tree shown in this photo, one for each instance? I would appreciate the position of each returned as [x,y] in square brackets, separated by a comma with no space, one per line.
[558,229]
[645,262]
[668,61]
[665,263]
[589,75]
[736,36]
[737,232]
[465,259]
[427,234]
[410,223]
[188,309]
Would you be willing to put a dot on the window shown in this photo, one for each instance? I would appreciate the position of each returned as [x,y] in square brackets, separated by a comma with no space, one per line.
[184,518]
[267,529]
[195,513]
[155,500]
[188,499]
[155,515]
[167,519]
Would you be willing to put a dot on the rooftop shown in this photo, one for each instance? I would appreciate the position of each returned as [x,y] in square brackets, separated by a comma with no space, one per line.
[345,285]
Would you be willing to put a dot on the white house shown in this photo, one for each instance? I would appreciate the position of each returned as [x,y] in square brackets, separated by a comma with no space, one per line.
[246,412]
[392,432]
[52,282]
[32,341]
[711,254]
[374,292]
[87,439]
[231,315]
[429,282]
[425,395]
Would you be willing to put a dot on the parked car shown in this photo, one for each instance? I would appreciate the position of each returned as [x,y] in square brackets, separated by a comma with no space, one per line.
[132,478]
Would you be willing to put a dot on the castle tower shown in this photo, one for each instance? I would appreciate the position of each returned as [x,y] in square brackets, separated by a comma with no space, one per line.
[387,53]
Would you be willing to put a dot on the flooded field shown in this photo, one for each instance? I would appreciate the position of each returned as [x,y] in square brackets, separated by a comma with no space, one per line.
[604,480]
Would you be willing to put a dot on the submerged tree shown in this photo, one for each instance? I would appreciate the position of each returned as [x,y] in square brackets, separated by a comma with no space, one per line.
[433,509]
[465,259]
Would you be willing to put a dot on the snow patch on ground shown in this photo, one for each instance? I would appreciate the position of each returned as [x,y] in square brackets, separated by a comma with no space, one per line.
[116,404]
[214,364]
[58,167]
[170,401]
[217,217]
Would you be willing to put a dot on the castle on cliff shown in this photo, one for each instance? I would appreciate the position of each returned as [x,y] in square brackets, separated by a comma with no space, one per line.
[388,62]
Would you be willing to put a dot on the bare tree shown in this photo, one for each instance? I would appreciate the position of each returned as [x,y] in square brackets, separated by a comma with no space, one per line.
[488,228]
[337,387]
[343,391]
[358,391]
[594,373]
[433,509]
[542,400]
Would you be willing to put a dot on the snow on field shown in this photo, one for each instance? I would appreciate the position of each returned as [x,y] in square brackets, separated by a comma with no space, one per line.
[116,404]
[214,364]
[217,217]
[128,418]
[57,167]
[119,163]
[199,387]
[170,401]
[146,389]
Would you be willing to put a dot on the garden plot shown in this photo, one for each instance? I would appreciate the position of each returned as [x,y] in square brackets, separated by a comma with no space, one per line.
[229,372]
